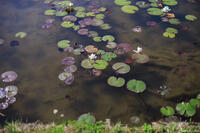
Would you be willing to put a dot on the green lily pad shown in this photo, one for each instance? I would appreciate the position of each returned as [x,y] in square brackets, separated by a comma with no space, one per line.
[142,4]
[76,27]
[121,68]
[80,14]
[102,9]
[136,86]
[100,64]
[108,38]
[170,2]
[113,81]
[154,4]
[194,102]
[64,3]
[87,118]
[167,111]
[198,96]
[108,56]
[111,45]
[92,34]
[63,44]
[79,9]
[155,11]
[185,108]
[100,16]
[90,14]
[67,24]
[87,63]
[100,52]
[77,51]
[61,13]
[97,39]
[129,9]
[140,58]
[170,35]
[20,34]
[97,22]
[105,26]
[172,30]
[50,12]
[122,2]
[190,17]
[174,21]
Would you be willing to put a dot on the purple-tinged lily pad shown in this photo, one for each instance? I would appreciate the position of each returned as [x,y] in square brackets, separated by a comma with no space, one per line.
[14,43]
[3,105]
[2,93]
[11,100]
[71,69]
[8,76]
[69,49]
[151,23]
[46,26]
[88,21]
[69,18]
[11,90]
[137,29]
[68,61]
[125,46]
[64,75]
[83,31]
[69,80]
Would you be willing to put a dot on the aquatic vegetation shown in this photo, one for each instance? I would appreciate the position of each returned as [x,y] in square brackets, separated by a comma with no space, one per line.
[166,9]
[80,14]
[137,29]
[167,111]
[63,44]
[87,63]
[136,86]
[128,61]
[2,93]
[71,69]
[174,21]
[92,56]
[87,118]
[69,80]
[50,12]
[69,49]
[67,24]
[61,13]
[69,18]
[142,4]
[121,68]
[100,52]
[79,9]
[140,58]
[83,32]
[68,61]
[97,22]
[164,90]
[9,76]
[100,16]
[116,82]
[190,17]
[21,34]
[64,75]
[105,26]
[111,45]
[170,2]
[122,2]
[108,56]
[97,39]
[154,11]
[185,108]
[91,49]
[92,34]
[108,38]
[100,64]
[125,46]
[129,9]
[170,32]
[138,51]
[151,23]
[135,120]
[96,72]
[11,91]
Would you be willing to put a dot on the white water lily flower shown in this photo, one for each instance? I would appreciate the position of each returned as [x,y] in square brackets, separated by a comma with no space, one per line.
[166,9]
[71,4]
[139,50]
[55,111]
[92,56]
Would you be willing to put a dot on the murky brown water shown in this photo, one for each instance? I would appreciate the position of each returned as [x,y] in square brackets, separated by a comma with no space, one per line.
[38,63]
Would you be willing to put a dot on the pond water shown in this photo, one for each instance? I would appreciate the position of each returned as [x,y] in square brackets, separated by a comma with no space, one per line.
[37,61]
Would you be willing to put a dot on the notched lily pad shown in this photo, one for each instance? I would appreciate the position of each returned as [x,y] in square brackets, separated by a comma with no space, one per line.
[67,24]
[21,34]
[136,86]
[63,44]
[190,17]
[116,82]
[155,11]
[87,63]
[122,2]
[121,68]
[62,76]
[167,111]
[100,64]
[11,90]
[108,56]
[50,12]
[129,9]
[108,38]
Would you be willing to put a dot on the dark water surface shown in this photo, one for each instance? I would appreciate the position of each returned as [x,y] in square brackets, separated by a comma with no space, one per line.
[38,64]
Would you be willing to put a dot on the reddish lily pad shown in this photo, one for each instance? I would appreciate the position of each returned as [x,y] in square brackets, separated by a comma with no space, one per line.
[8,76]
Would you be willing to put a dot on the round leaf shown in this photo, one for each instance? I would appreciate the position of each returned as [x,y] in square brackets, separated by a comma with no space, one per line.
[113,81]
[136,86]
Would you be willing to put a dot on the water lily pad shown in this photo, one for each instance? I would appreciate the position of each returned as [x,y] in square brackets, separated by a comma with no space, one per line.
[105,26]
[87,118]
[97,22]
[76,27]
[63,44]
[195,102]
[100,16]
[87,63]
[185,108]
[136,86]
[91,49]
[50,12]
[116,82]
[71,69]
[121,68]
[97,39]
[83,32]
[111,45]
[140,58]
[100,52]
[155,11]
[190,17]
[167,111]
[61,13]
[108,56]
[170,2]
[125,46]
[79,9]
[78,51]
[102,9]
[142,4]
[2,93]
[69,80]
[108,38]
[3,105]
[68,61]
[174,21]
[92,34]
[67,24]
[129,9]
[8,76]
[20,34]
[122,2]
[100,64]
[11,100]
[69,18]
[62,76]
[80,14]
[90,14]
[64,3]
[11,90]
[170,35]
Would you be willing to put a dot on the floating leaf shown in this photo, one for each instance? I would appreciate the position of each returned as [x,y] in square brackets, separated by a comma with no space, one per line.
[92,34]
[3,105]
[102,9]
[8,76]
[69,80]
[113,81]
[142,4]
[129,9]
[69,18]
[108,56]
[194,102]
[105,26]
[83,32]
[80,14]
[71,69]
[122,2]
[136,86]
[108,38]
[61,13]
[140,58]
[50,12]
[121,68]
[190,17]
[167,111]
[100,52]
[68,61]
[91,49]
[2,93]
[185,108]
[10,100]
[100,64]
[11,90]
[111,45]
[172,30]
[63,44]
[20,34]
[100,16]
[76,27]
[90,14]
[174,21]
[135,119]
[154,11]
[170,2]
[62,76]
[87,118]
[125,46]
[77,51]
[87,63]
[64,3]
[79,9]
[97,39]
[97,22]
[67,24]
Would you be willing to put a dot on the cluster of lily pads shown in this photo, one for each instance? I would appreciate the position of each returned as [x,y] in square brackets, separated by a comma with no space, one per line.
[8,93]
[155,8]
[185,108]
[164,90]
